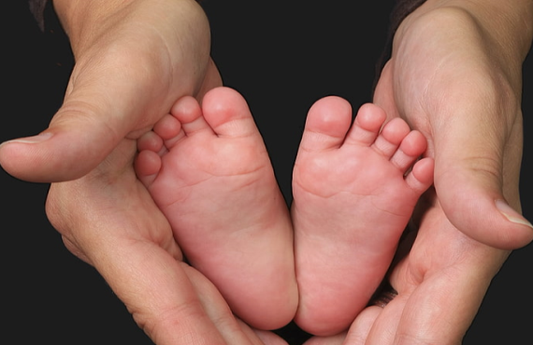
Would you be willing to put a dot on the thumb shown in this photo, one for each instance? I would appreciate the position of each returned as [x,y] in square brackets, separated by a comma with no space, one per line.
[99,110]
[65,151]
[478,187]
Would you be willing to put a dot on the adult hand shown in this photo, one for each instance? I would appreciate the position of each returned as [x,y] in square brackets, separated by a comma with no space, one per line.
[440,288]
[134,59]
[108,219]
[456,75]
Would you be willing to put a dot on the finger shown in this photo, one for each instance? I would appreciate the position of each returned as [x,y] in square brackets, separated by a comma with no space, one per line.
[98,111]
[425,316]
[121,232]
[476,141]
[158,293]
[266,337]
[218,311]
[360,328]
[440,289]
[476,185]
[431,316]
[162,300]
[384,328]
[338,339]
[125,78]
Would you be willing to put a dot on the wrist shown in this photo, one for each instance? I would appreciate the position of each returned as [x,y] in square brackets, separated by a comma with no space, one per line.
[502,31]
[506,25]
[79,18]
[85,22]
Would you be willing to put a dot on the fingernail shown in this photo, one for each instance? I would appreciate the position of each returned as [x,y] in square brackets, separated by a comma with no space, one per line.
[511,214]
[31,140]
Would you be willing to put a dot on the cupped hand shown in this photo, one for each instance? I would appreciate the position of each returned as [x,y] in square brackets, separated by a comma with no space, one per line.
[451,77]
[441,277]
[133,60]
[108,219]
[455,77]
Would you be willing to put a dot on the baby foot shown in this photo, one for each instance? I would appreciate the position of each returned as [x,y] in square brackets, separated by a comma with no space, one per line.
[208,170]
[354,192]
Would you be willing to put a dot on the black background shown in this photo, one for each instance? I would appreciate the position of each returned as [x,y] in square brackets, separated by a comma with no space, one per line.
[282,56]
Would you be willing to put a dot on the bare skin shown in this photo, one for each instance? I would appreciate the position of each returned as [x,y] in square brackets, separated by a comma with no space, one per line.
[355,188]
[471,78]
[107,237]
[209,172]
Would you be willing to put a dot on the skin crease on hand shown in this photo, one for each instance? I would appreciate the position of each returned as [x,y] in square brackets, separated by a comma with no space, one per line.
[122,111]
[465,267]
[443,110]
[408,273]
[106,217]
